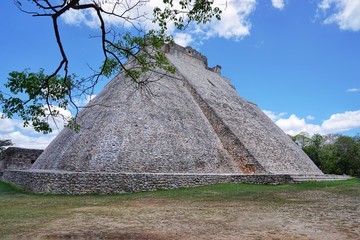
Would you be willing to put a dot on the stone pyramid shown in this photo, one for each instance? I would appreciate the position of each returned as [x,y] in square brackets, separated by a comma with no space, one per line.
[193,124]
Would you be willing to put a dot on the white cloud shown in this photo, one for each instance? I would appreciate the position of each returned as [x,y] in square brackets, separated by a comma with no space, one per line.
[325,5]
[25,140]
[274,116]
[294,125]
[75,17]
[138,11]
[183,39]
[8,125]
[234,20]
[309,117]
[336,123]
[342,122]
[27,137]
[279,4]
[353,90]
[233,25]
[344,13]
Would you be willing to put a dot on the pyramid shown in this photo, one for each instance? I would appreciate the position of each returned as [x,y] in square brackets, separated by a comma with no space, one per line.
[193,129]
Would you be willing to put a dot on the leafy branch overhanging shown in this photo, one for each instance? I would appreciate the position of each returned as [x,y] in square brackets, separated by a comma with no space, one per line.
[37,97]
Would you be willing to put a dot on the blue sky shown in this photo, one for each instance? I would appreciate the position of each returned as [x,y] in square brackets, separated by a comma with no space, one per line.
[298,60]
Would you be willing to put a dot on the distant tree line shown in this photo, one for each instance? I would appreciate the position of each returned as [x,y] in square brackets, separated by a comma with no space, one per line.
[332,153]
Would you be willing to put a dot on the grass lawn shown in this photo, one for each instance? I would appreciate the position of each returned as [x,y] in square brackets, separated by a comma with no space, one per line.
[329,210]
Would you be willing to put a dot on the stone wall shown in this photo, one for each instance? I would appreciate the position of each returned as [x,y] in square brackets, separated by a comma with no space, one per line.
[236,150]
[18,158]
[174,48]
[58,182]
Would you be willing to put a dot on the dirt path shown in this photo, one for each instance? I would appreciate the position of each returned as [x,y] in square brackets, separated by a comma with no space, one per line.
[302,215]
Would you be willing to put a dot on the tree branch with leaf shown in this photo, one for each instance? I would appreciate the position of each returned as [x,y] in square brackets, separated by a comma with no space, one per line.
[37,97]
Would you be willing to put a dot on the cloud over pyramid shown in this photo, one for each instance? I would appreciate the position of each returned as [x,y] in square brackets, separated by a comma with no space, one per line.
[193,129]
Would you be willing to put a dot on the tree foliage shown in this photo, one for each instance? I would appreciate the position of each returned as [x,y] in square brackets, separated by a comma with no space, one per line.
[335,154]
[36,97]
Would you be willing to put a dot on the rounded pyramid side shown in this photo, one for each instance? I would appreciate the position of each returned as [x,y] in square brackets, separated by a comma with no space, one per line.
[124,129]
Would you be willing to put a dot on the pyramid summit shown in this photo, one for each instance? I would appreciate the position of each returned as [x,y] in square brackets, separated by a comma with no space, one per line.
[194,129]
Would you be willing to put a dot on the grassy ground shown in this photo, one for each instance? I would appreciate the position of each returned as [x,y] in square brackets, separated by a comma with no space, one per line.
[226,211]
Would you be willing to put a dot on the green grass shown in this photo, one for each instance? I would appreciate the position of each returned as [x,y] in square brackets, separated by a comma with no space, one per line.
[230,192]
[210,192]
[24,212]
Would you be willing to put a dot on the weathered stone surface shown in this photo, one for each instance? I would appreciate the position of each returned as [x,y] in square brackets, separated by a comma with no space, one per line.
[195,122]
[60,182]
[65,182]
[166,132]
[263,140]
[18,158]
[194,129]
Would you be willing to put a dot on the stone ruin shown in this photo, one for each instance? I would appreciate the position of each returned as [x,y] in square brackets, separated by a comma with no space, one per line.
[14,158]
[193,130]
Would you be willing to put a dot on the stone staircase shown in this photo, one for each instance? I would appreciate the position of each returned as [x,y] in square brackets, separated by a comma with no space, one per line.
[318,178]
